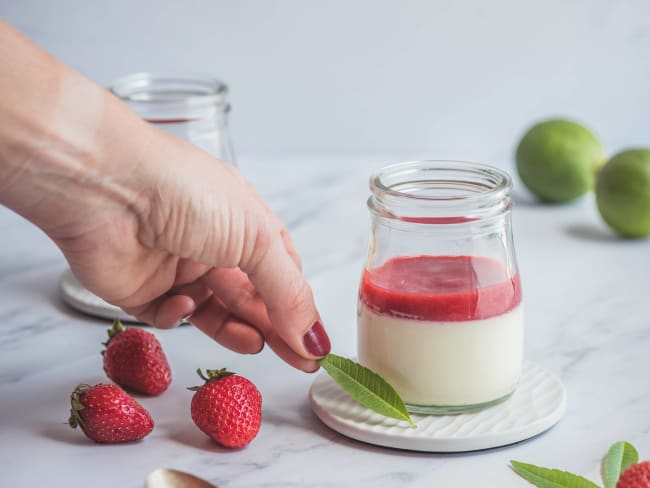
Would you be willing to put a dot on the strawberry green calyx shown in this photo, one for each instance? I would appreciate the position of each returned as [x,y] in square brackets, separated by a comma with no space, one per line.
[117,328]
[76,406]
[211,375]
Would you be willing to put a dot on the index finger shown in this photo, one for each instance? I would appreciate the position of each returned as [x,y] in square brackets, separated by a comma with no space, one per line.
[288,298]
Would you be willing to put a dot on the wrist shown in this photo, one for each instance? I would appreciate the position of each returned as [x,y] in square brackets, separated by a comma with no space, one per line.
[79,149]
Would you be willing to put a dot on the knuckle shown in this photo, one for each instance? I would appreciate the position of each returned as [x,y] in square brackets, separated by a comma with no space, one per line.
[242,297]
[300,299]
[259,241]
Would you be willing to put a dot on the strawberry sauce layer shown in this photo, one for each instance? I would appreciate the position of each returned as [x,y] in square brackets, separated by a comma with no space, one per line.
[440,288]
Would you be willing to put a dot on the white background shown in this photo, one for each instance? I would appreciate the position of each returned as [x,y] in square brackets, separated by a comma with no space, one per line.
[400,79]
[320,91]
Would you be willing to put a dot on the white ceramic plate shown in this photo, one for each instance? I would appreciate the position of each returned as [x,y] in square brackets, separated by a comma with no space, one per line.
[537,405]
[76,296]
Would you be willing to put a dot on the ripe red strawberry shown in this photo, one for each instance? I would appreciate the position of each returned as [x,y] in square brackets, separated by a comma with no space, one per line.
[636,476]
[228,408]
[108,414]
[135,360]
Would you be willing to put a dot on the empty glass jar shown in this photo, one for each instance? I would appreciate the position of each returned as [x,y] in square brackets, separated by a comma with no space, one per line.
[192,107]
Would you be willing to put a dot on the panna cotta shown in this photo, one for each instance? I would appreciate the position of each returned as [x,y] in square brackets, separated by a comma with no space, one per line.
[445,331]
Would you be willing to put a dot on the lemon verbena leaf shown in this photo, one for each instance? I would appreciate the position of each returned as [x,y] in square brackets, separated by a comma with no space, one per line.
[619,457]
[551,478]
[366,387]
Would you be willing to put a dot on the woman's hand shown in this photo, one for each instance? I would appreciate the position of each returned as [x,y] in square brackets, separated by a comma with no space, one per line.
[149,222]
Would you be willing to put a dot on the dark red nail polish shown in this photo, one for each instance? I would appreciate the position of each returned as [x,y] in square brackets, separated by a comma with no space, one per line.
[316,341]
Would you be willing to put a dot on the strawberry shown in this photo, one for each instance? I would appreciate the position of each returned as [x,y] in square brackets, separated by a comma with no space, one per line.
[228,408]
[134,359]
[108,414]
[636,476]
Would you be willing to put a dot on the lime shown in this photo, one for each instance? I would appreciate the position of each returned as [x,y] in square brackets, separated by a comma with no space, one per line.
[623,193]
[558,159]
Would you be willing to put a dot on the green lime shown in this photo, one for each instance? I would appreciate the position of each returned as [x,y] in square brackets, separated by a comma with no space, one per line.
[558,160]
[623,193]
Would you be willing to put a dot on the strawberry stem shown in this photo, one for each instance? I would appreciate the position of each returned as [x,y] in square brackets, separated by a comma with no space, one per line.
[211,375]
[76,406]
[215,374]
[200,373]
[117,328]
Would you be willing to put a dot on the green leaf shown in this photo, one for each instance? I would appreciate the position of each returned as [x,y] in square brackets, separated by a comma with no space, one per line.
[619,457]
[366,387]
[551,478]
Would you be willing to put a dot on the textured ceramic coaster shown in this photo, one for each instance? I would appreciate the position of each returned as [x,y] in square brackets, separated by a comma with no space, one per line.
[537,405]
[76,295]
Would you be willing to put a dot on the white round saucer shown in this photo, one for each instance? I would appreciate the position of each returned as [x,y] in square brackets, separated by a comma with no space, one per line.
[537,405]
[76,296]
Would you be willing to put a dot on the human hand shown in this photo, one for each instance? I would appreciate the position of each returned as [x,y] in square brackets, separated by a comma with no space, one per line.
[149,222]
[196,239]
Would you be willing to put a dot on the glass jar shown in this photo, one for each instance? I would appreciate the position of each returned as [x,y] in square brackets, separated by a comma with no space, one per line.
[192,107]
[440,314]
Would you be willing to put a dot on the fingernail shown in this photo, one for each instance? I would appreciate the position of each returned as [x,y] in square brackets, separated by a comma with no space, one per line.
[316,341]
[183,320]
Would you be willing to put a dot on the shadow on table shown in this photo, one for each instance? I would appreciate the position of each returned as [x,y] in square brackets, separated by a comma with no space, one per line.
[64,433]
[44,288]
[189,435]
[57,429]
[321,429]
[592,233]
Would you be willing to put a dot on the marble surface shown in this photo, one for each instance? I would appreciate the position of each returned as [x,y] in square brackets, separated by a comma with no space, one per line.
[588,320]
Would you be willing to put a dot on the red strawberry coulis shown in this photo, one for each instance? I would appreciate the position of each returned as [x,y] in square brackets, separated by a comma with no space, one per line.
[440,288]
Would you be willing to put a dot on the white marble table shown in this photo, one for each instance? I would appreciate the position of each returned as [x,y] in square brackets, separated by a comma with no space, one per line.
[588,320]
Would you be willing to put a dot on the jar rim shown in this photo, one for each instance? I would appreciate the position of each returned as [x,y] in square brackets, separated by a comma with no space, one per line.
[440,191]
[170,88]
[501,183]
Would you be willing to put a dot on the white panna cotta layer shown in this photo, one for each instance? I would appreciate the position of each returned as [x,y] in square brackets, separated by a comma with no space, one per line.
[434,363]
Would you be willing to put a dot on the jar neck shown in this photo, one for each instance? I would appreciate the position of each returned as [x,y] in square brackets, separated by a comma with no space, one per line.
[440,193]
[173,99]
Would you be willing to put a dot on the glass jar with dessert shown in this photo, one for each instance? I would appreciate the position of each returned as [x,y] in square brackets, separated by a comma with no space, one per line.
[440,314]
